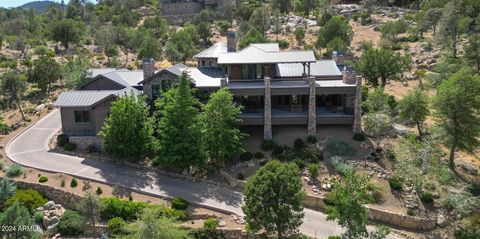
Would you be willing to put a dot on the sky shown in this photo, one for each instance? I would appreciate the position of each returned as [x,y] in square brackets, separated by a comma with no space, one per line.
[16,3]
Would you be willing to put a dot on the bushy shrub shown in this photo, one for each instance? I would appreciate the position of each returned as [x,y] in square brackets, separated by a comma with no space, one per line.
[277,150]
[240,176]
[376,192]
[99,191]
[62,140]
[29,198]
[313,170]
[179,204]
[470,229]
[426,197]
[71,224]
[43,179]
[340,166]
[267,145]
[210,224]
[4,129]
[298,144]
[62,183]
[1,165]
[115,224]
[410,212]
[38,216]
[263,162]
[73,183]
[311,139]
[461,205]
[300,163]
[359,137]
[114,207]
[335,237]
[396,183]
[70,146]
[283,44]
[14,170]
[340,148]
[259,155]
[246,156]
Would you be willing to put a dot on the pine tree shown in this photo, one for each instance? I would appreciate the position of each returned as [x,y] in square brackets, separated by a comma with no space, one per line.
[17,217]
[7,189]
[178,127]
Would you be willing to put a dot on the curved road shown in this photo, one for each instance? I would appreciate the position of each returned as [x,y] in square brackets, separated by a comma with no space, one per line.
[30,148]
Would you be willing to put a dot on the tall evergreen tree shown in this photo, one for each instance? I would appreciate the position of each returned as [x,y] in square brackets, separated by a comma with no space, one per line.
[17,217]
[472,52]
[177,129]
[414,107]
[89,206]
[221,137]
[128,129]
[44,73]
[457,107]
[12,88]
[452,25]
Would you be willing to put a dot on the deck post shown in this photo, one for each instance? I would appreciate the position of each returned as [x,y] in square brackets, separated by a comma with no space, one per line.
[357,121]
[312,108]
[267,121]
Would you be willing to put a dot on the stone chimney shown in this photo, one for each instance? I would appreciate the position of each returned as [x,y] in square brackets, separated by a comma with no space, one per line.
[148,67]
[338,57]
[231,42]
[349,76]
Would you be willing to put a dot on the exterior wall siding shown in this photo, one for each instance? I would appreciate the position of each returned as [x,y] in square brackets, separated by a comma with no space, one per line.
[157,80]
[97,118]
[101,83]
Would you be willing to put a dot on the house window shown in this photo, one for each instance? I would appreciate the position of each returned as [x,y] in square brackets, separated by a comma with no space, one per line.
[156,91]
[82,116]
[252,72]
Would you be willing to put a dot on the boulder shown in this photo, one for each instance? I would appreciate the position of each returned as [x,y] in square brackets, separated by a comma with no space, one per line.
[441,220]
[49,205]
[54,220]
[52,230]
[46,221]
[222,223]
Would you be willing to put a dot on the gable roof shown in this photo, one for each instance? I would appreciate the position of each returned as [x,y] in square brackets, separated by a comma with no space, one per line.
[318,68]
[199,79]
[123,77]
[90,98]
[213,51]
[265,53]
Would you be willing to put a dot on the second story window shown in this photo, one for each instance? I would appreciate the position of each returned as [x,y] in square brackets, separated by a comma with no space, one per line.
[82,116]
[252,72]
[156,91]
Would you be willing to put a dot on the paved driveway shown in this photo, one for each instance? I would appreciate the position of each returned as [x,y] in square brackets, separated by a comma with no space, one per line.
[30,149]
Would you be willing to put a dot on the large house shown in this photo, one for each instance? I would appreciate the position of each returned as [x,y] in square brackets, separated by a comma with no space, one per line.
[274,87]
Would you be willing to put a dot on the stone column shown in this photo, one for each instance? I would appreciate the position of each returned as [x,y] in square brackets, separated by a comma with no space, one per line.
[357,121]
[312,108]
[267,120]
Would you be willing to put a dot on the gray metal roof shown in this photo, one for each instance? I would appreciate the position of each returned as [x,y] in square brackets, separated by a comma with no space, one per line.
[267,46]
[319,68]
[87,98]
[254,55]
[213,51]
[333,84]
[126,78]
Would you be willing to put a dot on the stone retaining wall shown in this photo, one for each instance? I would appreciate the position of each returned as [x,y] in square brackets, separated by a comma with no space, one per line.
[83,142]
[384,216]
[67,199]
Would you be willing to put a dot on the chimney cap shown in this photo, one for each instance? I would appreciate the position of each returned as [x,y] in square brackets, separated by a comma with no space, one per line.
[148,60]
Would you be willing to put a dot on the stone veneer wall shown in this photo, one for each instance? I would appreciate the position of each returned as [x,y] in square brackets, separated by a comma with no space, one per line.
[67,199]
[383,216]
[83,142]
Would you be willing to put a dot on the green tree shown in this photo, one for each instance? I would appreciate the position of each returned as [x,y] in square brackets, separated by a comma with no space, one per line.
[152,225]
[391,29]
[178,131]
[299,34]
[452,25]
[7,189]
[383,64]
[472,52]
[18,218]
[128,129]
[67,31]
[44,73]
[221,138]
[429,20]
[457,109]
[350,195]
[172,53]
[150,48]
[12,88]
[105,39]
[204,32]
[284,6]
[252,36]
[260,19]
[89,207]
[274,199]
[76,72]
[337,28]
[186,41]
[414,107]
